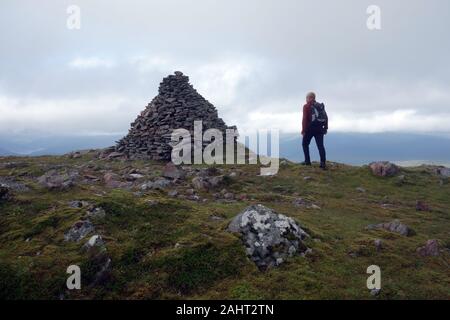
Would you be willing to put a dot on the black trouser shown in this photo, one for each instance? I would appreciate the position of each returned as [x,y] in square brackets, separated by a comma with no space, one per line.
[318,136]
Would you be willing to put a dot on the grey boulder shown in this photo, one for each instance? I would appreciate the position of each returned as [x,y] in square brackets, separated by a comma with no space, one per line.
[4,192]
[393,226]
[430,249]
[171,171]
[269,237]
[54,180]
[384,168]
[79,230]
[443,172]
[158,184]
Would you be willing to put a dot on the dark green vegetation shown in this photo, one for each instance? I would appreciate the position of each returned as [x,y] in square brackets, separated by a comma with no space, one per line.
[172,247]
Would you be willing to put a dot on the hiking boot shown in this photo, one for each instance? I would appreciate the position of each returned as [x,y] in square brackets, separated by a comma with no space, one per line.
[304,163]
[323,166]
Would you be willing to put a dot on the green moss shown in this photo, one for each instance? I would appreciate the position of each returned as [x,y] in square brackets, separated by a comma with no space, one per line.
[49,222]
[199,267]
[245,291]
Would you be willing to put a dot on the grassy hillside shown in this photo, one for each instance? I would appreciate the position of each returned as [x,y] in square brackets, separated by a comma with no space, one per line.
[171,246]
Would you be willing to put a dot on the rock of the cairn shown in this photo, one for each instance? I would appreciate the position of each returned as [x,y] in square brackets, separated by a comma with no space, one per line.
[176,106]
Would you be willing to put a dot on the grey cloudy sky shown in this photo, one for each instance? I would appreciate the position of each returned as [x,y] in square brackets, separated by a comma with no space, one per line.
[253,59]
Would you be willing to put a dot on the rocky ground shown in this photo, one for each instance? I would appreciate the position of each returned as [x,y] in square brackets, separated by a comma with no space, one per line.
[148,230]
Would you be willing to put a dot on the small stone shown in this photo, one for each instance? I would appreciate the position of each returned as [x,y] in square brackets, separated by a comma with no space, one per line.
[198,183]
[361,189]
[160,183]
[78,204]
[172,193]
[115,155]
[216,181]
[173,172]
[75,155]
[303,203]
[5,193]
[79,230]
[193,198]
[136,176]
[112,180]
[393,226]
[94,241]
[422,206]
[375,292]
[378,244]
[431,248]
[228,196]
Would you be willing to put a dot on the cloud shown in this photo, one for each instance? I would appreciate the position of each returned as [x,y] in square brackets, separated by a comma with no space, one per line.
[150,63]
[101,115]
[255,66]
[91,63]
[222,80]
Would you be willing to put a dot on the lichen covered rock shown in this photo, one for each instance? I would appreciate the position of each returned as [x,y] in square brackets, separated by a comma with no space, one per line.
[79,230]
[269,237]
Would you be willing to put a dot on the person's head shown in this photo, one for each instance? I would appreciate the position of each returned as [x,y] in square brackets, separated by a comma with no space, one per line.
[310,97]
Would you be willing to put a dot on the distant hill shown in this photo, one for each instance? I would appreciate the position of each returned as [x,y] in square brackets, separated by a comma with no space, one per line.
[4,152]
[350,148]
[54,145]
[362,148]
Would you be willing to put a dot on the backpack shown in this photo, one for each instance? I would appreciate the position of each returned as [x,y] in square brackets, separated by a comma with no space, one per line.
[319,116]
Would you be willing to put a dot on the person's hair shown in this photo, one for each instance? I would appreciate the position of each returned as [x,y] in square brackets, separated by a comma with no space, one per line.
[311,94]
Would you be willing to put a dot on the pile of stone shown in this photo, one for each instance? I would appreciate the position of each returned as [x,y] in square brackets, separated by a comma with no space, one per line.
[176,106]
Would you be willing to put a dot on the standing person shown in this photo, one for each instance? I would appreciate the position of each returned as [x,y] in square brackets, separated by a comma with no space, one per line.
[314,124]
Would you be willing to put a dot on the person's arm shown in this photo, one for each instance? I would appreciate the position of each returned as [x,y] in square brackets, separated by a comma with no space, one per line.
[326,123]
[304,120]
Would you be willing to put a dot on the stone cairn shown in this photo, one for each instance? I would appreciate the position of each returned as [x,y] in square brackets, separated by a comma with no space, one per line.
[176,106]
